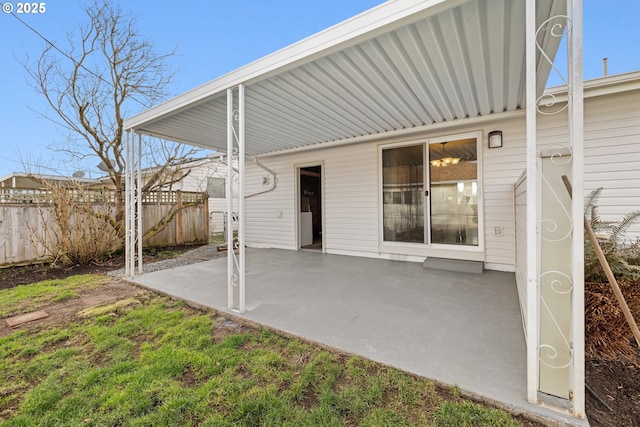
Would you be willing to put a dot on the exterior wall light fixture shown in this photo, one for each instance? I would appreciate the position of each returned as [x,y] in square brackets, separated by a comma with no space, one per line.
[495,139]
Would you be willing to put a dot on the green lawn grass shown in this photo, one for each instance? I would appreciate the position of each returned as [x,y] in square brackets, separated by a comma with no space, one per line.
[152,361]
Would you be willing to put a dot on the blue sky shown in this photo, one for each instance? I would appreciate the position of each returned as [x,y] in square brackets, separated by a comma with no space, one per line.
[214,37]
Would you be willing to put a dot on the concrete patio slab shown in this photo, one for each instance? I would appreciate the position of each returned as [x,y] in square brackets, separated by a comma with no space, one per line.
[455,328]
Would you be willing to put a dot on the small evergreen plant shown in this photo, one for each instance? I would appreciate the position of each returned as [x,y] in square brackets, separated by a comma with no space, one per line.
[623,255]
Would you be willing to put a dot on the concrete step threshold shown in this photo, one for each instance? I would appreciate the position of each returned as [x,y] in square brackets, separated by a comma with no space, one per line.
[457,265]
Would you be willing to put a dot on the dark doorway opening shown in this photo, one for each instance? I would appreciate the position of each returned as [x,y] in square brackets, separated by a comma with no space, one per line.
[311,207]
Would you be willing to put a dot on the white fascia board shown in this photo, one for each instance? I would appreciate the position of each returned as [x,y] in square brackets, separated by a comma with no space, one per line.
[368,24]
[174,139]
[601,86]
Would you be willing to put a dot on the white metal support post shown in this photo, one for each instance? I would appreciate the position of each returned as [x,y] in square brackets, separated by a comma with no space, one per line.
[138,194]
[532,208]
[127,205]
[229,195]
[133,204]
[576,138]
[241,242]
[235,263]
[131,212]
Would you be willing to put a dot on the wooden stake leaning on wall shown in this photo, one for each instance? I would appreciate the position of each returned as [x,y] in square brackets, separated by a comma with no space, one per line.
[607,270]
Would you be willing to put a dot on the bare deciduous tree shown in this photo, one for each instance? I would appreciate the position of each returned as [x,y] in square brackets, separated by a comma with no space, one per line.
[107,72]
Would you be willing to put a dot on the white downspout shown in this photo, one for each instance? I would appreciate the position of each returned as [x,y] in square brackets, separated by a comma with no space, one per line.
[273,179]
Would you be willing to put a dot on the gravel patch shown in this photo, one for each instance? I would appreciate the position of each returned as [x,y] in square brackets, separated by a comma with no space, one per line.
[199,254]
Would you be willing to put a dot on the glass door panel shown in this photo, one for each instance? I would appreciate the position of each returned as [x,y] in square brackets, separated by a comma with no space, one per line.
[453,179]
[403,194]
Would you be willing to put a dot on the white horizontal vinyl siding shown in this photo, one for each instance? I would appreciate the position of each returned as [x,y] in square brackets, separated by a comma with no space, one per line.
[197,180]
[351,199]
[612,154]
[611,151]
[269,218]
[501,169]
[351,181]
[351,196]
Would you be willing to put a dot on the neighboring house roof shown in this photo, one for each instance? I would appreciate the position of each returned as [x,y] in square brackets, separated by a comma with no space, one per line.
[185,165]
[606,85]
[402,65]
[24,180]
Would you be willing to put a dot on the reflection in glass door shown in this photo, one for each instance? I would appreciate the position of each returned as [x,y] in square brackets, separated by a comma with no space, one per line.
[450,214]
[453,178]
[402,194]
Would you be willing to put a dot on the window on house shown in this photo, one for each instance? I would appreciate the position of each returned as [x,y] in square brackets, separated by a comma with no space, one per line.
[216,187]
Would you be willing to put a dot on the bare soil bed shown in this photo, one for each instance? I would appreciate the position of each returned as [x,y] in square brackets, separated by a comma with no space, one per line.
[66,312]
[612,357]
[616,381]
[15,276]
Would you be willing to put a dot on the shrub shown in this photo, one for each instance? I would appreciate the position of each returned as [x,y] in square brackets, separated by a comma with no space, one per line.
[623,256]
[73,231]
[607,334]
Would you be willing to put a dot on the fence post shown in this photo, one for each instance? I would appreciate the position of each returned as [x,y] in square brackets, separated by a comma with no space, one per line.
[206,220]
[63,197]
[179,218]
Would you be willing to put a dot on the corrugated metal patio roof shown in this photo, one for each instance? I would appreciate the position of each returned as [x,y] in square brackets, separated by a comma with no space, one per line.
[402,65]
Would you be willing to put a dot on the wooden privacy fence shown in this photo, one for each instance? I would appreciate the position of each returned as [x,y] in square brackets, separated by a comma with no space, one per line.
[25,211]
[190,224]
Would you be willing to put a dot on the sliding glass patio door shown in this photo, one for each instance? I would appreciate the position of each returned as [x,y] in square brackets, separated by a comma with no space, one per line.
[433,205]
[453,182]
[403,194]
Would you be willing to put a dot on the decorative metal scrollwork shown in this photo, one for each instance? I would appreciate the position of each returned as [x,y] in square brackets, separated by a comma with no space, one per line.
[562,155]
[554,230]
[561,284]
[551,354]
[560,26]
